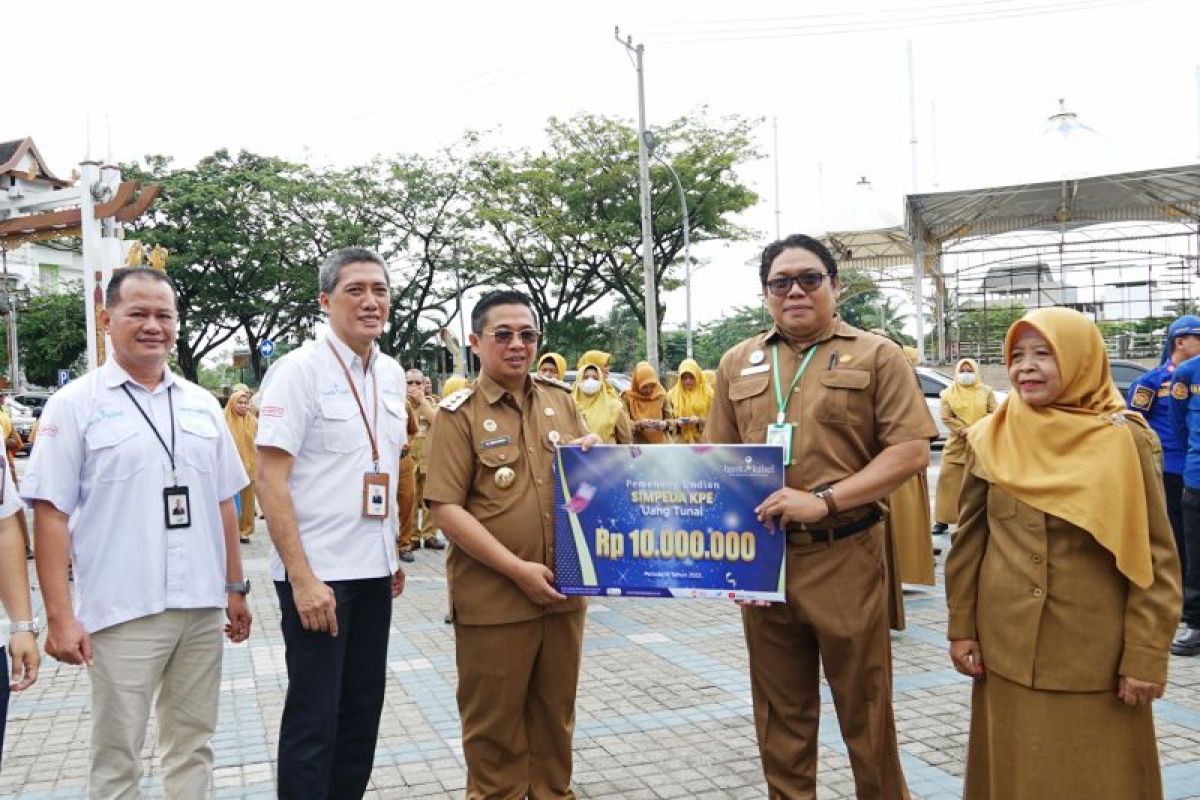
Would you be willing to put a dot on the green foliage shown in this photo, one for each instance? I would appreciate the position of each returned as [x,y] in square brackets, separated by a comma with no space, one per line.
[51,334]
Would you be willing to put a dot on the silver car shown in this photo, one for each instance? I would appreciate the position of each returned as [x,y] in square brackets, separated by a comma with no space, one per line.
[932,383]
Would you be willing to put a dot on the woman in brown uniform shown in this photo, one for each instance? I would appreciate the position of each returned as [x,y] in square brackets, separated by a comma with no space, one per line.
[649,409]
[1063,581]
[964,403]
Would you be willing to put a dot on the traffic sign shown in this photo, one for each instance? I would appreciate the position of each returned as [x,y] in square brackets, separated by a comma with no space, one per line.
[64,377]
[266,348]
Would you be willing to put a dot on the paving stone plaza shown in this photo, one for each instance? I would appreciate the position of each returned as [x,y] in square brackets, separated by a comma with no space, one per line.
[663,710]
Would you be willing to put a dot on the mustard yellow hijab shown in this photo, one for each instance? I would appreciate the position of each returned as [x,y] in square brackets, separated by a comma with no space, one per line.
[642,406]
[560,363]
[969,403]
[1075,458]
[602,410]
[698,401]
[710,377]
[453,384]
[243,427]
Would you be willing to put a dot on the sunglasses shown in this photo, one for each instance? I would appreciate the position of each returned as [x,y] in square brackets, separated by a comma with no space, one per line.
[808,282]
[505,336]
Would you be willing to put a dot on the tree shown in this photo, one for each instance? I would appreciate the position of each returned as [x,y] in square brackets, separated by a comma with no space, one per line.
[565,224]
[713,339]
[51,333]
[245,235]
[858,298]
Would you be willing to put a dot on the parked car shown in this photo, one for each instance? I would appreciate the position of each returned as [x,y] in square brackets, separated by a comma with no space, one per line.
[1124,373]
[34,401]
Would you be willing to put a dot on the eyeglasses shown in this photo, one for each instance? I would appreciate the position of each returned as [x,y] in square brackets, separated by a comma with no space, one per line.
[807,281]
[504,335]
[415,383]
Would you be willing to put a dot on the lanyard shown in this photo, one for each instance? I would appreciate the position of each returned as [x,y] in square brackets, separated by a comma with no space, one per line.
[361,411]
[171,405]
[781,397]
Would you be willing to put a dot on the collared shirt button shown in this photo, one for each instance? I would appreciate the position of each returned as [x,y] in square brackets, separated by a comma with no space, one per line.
[1037,558]
[1036,591]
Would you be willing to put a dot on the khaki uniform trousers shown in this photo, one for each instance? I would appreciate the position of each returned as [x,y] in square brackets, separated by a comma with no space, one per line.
[516,698]
[836,615]
[176,652]
[425,529]
[248,512]
[406,502]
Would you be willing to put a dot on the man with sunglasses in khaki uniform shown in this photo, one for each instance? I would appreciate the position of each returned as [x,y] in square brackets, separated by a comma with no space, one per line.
[491,488]
[845,406]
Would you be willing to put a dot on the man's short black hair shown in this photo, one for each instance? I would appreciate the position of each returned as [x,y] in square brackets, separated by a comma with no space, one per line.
[501,297]
[796,240]
[112,294]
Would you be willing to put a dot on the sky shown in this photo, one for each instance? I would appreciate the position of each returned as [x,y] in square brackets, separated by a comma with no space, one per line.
[340,82]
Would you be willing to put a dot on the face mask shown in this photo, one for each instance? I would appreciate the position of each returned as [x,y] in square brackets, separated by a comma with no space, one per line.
[966,378]
[590,386]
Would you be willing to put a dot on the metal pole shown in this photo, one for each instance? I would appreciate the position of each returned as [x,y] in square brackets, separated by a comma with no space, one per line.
[10,322]
[687,251]
[778,211]
[918,234]
[650,294]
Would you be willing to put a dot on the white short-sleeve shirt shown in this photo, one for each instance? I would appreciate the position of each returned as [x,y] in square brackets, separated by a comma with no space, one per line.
[309,411]
[98,460]
[10,504]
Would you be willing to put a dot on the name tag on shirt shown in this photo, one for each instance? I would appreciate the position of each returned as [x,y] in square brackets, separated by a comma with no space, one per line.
[177,507]
[781,434]
[376,495]
[755,370]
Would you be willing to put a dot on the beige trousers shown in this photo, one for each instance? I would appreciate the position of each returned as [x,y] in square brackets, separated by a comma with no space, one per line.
[176,653]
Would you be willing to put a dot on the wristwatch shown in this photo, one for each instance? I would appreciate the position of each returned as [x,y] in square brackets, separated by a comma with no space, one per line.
[25,626]
[826,494]
[238,588]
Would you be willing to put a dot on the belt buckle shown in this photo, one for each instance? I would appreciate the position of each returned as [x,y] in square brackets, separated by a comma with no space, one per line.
[800,537]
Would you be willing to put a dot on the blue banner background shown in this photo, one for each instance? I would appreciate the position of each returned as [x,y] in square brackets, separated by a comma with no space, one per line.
[594,490]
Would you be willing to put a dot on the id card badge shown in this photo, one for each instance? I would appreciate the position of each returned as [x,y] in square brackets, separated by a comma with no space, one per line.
[376,495]
[780,433]
[177,507]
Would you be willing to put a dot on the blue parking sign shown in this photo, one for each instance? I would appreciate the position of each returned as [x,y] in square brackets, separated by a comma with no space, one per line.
[64,377]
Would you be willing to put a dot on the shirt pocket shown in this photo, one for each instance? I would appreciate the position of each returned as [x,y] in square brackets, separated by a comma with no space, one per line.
[342,428]
[198,445]
[752,407]
[394,421]
[493,461]
[844,396]
[115,452]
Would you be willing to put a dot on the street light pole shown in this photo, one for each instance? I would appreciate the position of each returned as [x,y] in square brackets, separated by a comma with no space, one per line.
[687,248]
[649,292]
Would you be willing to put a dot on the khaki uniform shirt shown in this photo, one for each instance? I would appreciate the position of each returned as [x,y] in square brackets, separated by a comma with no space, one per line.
[858,396]
[474,447]
[424,410]
[1044,598]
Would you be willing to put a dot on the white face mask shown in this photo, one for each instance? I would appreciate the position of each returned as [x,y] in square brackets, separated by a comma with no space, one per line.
[590,386]
[966,378]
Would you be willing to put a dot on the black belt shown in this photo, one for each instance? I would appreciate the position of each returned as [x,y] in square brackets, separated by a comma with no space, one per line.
[801,536]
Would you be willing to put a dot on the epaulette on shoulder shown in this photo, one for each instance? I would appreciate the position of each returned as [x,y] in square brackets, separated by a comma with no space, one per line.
[566,387]
[454,401]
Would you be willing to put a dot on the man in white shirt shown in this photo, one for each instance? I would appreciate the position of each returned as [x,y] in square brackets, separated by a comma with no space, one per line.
[330,435]
[14,595]
[118,451]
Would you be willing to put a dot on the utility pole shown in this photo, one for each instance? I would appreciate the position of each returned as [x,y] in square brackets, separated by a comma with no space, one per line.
[687,247]
[918,249]
[9,307]
[650,295]
[778,212]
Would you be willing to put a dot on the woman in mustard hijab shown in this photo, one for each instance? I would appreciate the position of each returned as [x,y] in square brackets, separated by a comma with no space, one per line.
[598,402]
[1063,581]
[692,398]
[964,403]
[243,425]
[552,365]
[648,407]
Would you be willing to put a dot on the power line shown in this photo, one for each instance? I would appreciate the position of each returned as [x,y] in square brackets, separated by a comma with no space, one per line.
[849,27]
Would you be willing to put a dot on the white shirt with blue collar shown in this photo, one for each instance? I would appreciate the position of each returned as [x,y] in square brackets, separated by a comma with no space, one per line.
[99,461]
[309,412]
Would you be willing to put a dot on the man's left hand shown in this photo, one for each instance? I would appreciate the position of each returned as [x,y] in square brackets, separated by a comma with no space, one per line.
[238,614]
[791,505]
[398,583]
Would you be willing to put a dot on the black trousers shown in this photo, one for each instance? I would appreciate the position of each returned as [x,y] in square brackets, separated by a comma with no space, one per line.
[1173,487]
[5,691]
[335,693]
[1189,555]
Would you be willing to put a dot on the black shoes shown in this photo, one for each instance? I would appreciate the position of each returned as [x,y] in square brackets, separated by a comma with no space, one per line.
[434,543]
[407,557]
[1187,643]
[939,529]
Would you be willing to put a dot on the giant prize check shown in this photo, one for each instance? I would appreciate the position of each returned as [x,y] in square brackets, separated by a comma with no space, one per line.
[667,521]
